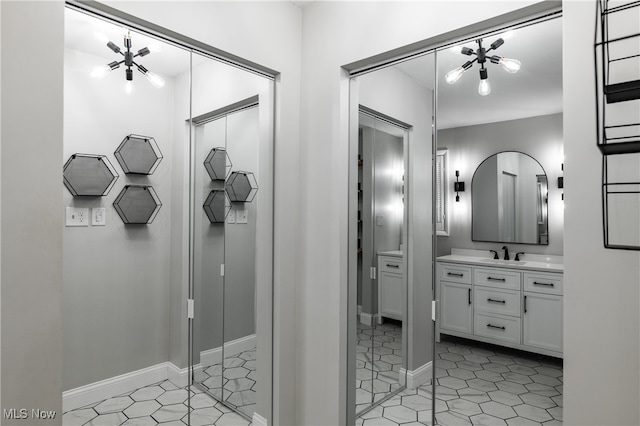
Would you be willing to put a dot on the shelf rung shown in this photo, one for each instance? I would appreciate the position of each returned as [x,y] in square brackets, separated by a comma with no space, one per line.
[620,148]
[620,92]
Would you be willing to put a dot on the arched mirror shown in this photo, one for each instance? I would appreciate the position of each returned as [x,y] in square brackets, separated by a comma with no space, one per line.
[509,200]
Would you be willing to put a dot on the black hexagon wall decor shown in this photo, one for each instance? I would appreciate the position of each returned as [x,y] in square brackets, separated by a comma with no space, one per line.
[137,204]
[241,187]
[217,206]
[138,154]
[218,164]
[89,175]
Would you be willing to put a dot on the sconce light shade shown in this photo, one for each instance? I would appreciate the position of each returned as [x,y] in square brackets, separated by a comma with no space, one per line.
[458,186]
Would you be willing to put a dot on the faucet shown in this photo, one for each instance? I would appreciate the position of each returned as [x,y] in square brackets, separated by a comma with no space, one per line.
[506,252]
[518,255]
[495,254]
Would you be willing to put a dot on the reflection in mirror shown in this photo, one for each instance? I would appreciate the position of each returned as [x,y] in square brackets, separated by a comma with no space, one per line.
[509,200]
[379,347]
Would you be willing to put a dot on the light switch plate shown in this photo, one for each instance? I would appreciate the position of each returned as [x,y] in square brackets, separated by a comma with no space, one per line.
[380,220]
[241,216]
[98,216]
[231,217]
[77,216]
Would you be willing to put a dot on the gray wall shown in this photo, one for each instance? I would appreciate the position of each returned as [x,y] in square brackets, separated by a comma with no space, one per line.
[31,151]
[541,137]
[601,287]
[115,277]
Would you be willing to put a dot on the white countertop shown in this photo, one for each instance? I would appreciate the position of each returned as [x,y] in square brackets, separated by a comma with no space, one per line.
[530,262]
[395,253]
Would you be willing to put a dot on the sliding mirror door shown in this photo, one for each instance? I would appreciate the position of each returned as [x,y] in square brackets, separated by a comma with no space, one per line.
[391,233]
[231,212]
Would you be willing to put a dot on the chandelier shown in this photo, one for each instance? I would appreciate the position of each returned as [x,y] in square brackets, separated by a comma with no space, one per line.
[128,62]
[484,88]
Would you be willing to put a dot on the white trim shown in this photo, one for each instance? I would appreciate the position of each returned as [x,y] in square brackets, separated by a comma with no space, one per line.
[359,309]
[214,356]
[367,319]
[258,420]
[98,391]
[417,377]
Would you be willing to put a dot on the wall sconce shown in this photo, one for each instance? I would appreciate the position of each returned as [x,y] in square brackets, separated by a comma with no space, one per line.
[458,186]
[561,181]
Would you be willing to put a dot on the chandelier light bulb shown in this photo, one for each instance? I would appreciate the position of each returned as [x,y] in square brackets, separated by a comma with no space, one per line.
[128,87]
[101,71]
[510,65]
[454,75]
[484,88]
[154,79]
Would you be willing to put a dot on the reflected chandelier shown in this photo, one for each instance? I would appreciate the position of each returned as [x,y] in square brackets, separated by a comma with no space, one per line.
[510,65]
[128,62]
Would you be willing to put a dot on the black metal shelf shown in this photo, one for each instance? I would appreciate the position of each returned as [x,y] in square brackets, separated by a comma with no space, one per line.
[617,84]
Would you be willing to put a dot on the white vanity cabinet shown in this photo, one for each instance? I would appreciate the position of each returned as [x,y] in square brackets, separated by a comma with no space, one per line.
[509,306]
[390,287]
[542,311]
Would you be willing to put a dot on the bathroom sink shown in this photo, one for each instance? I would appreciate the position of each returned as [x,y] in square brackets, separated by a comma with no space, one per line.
[504,262]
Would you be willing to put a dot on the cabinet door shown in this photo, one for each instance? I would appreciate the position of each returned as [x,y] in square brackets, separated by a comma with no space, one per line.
[390,295]
[456,310]
[542,315]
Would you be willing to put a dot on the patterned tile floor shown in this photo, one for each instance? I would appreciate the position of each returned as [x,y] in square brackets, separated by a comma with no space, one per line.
[238,384]
[480,384]
[159,404]
[379,358]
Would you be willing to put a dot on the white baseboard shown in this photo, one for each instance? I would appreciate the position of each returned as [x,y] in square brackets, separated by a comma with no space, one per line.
[214,356]
[258,420]
[417,377]
[359,309]
[114,386]
[367,319]
[108,388]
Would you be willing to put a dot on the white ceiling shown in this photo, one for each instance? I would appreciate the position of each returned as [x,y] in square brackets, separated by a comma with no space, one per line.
[534,90]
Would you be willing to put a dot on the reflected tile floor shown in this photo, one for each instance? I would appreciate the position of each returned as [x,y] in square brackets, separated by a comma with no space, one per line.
[480,384]
[160,404]
[378,361]
[239,380]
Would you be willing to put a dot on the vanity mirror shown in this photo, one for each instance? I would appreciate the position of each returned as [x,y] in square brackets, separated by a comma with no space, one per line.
[509,200]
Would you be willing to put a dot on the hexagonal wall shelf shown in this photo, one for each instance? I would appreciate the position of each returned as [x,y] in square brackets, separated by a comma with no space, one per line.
[217,206]
[241,187]
[137,204]
[89,175]
[218,164]
[138,155]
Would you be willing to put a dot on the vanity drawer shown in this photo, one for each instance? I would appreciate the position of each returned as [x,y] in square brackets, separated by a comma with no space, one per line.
[540,282]
[498,327]
[496,278]
[390,264]
[497,301]
[455,273]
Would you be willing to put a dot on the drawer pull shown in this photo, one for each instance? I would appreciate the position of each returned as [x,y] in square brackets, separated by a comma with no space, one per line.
[495,326]
[469,296]
[496,279]
[496,301]
[525,304]
[451,274]
[392,266]
[544,284]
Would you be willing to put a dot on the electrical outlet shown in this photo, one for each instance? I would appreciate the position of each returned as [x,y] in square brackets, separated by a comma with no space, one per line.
[241,216]
[77,216]
[98,216]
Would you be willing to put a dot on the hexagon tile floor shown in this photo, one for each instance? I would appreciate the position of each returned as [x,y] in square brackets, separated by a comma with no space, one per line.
[479,384]
[160,404]
[238,382]
[378,362]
